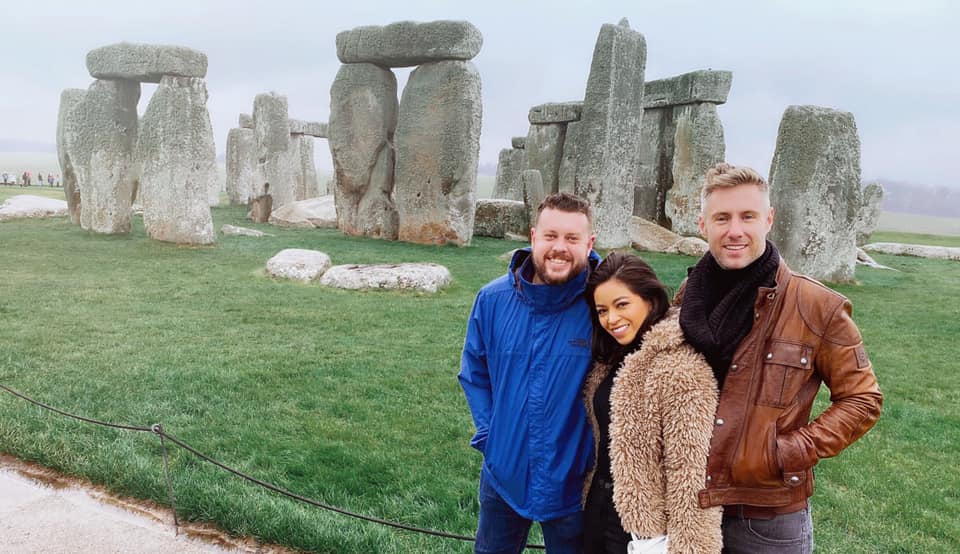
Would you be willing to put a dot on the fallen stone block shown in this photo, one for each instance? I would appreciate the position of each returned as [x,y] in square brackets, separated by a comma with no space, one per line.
[497,217]
[298,264]
[425,277]
[233,230]
[918,250]
[307,214]
[28,206]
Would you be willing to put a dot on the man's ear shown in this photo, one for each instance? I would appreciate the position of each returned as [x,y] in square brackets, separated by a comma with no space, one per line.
[702,226]
[593,239]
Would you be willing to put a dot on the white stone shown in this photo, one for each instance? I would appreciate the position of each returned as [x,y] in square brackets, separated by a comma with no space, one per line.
[228,229]
[646,235]
[29,206]
[692,246]
[918,250]
[307,214]
[424,277]
[299,264]
[864,259]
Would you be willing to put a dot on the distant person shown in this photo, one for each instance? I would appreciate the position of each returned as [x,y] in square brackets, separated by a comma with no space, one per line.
[261,207]
[525,356]
[772,337]
[26,179]
[50,179]
[651,399]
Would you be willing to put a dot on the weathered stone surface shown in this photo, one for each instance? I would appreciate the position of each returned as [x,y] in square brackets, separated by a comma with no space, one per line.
[298,264]
[692,246]
[438,150]
[102,153]
[307,214]
[544,152]
[508,185]
[609,144]
[690,88]
[918,250]
[815,189]
[533,193]
[864,259]
[178,159]
[555,112]
[245,121]
[423,277]
[309,184]
[697,146]
[233,230]
[497,217]
[146,63]
[363,118]
[655,170]
[66,137]
[518,142]
[278,155]
[646,235]
[311,128]
[567,174]
[408,43]
[29,206]
[241,165]
[869,214]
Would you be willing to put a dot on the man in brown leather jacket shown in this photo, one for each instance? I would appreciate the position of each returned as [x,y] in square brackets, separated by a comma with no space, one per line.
[772,337]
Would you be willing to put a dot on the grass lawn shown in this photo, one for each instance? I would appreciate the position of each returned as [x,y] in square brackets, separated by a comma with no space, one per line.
[351,398]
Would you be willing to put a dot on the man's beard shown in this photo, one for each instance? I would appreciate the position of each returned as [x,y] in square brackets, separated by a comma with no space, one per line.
[542,274]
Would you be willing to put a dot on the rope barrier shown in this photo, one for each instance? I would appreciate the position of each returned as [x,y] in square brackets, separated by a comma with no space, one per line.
[157,429]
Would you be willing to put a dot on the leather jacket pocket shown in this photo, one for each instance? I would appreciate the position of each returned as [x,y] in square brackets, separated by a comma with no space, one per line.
[786,367]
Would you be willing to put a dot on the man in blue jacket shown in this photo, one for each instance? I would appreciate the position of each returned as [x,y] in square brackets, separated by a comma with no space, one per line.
[525,357]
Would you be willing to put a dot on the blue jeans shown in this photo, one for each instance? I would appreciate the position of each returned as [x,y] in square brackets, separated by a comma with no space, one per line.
[501,530]
[784,534]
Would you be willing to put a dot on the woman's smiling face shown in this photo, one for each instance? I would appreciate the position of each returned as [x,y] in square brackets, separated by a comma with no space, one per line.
[621,311]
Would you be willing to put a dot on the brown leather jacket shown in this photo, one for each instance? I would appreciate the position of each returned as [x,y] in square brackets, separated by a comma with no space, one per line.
[764,445]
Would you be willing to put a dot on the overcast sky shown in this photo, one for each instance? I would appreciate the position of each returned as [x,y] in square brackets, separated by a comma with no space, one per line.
[894,64]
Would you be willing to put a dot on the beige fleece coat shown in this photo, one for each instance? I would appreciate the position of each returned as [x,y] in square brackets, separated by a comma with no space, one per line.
[662,411]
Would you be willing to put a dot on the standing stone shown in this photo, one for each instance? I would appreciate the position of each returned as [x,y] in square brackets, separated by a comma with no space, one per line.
[277,165]
[363,118]
[610,122]
[544,151]
[241,165]
[697,146]
[178,155]
[407,43]
[308,169]
[67,136]
[245,121]
[533,193]
[518,142]
[655,171]
[508,185]
[438,149]
[497,217]
[869,215]
[103,154]
[815,188]
[567,174]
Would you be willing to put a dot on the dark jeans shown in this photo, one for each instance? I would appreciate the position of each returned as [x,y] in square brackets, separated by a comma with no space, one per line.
[501,530]
[603,533]
[784,534]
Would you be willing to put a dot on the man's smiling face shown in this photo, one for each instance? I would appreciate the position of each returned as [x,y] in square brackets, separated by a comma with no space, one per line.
[735,222]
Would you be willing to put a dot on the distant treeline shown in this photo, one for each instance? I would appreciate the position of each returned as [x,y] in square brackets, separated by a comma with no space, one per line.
[920,199]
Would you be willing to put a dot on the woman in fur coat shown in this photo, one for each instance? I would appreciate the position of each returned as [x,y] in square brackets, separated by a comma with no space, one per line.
[651,399]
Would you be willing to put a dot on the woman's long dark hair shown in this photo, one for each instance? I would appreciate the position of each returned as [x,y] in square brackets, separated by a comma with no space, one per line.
[640,278]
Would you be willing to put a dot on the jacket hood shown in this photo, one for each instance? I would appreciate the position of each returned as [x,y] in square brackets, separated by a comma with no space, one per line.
[548,297]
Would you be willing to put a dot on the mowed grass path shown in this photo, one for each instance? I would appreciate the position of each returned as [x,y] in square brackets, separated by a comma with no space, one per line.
[352,398]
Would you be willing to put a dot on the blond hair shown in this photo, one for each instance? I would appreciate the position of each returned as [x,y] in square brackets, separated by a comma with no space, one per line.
[724,175]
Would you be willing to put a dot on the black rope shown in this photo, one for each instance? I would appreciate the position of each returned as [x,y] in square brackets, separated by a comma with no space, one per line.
[158,430]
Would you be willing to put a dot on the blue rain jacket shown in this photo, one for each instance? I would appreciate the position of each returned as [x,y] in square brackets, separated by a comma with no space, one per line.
[525,358]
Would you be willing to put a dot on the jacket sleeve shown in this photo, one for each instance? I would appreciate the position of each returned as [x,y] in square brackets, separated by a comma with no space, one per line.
[475,377]
[688,399]
[855,398]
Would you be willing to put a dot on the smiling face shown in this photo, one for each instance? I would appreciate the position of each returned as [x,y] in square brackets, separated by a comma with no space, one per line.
[561,244]
[621,312]
[735,222]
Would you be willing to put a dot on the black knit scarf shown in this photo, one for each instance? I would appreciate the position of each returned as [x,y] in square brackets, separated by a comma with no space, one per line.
[717,308]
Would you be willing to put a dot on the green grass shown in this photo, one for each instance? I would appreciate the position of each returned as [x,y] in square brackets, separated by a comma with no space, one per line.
[6,191]
[352,398]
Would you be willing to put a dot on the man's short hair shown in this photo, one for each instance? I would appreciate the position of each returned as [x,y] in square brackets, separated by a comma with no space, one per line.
[566,202]
[724,175]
